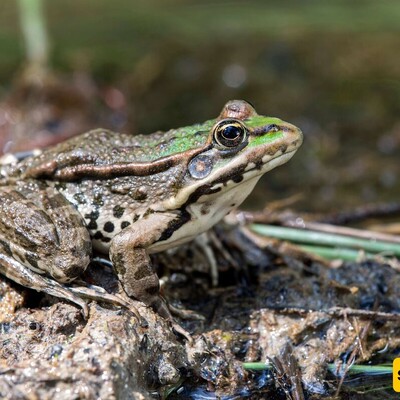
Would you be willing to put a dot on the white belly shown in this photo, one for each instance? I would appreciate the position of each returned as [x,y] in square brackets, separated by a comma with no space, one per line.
[206,212]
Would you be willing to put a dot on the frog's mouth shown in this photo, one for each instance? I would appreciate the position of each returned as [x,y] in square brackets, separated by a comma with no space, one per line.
[235,174]
[267,163]
[264,159]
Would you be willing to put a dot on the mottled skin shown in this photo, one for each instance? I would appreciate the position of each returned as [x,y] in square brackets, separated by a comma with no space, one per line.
[130,196]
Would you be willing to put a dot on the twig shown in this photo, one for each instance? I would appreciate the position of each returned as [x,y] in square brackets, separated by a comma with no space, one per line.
[362,213]
[340,312]
[354,353]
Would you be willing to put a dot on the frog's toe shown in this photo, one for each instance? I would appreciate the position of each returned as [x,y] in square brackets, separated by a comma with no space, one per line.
[56,289]
[99,294]
[178,329]
[164,310]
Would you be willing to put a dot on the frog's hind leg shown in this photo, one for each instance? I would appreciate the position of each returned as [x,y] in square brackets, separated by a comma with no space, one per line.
[42,234]
[18,273]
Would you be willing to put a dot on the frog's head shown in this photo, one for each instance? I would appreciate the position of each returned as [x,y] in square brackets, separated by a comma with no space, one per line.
[236,149]
[242,146]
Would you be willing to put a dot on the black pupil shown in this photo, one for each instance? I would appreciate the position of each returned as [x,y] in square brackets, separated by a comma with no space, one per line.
[231,132]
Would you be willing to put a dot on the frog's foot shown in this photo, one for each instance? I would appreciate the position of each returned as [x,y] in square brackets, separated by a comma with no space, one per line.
[74,293]
[185,314]
[17,272]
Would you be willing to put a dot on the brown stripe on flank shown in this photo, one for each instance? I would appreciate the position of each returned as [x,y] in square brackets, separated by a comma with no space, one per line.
[115,169]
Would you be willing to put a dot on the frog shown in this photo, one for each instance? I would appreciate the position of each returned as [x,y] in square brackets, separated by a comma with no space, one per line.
[129,196]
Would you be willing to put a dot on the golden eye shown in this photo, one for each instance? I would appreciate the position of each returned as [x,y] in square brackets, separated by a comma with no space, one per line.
[229,132]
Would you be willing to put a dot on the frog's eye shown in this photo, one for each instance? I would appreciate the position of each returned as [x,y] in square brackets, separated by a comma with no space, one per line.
[229,132]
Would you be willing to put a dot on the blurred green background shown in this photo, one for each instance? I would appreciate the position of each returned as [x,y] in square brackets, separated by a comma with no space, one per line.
[330,67]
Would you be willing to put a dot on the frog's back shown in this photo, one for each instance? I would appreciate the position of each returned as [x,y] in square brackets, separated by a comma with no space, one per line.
[103,147]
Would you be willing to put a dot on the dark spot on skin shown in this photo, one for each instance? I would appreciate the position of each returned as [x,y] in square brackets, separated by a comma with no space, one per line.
[185,215]
[61,185]
[144,344]
[139,194]
[108,226]
[93,216]
[32,259]
[205,209]
[265,129]
[273,150]
[98,235]
[283,148]
[232,175]
[98,200]
[152,290]
[33,326]
[148,212]
[105,239]
[118,211]
[79,198]
[6,247]
[74,270]
[259,164]
[125,224]
[174,225]
[92,224]
[141,273]
[201,191]
[135,218]
[75,251]
[233,205]
[295,143]
[237,178]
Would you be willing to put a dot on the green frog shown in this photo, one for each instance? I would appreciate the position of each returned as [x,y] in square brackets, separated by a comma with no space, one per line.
[130,196]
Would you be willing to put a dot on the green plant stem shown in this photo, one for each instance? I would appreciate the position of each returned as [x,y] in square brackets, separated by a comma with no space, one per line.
[332,253]
[366,369]
[34,31]
[327,239]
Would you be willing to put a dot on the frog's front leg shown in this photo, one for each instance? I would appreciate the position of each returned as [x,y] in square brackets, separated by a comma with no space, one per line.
[129,254]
